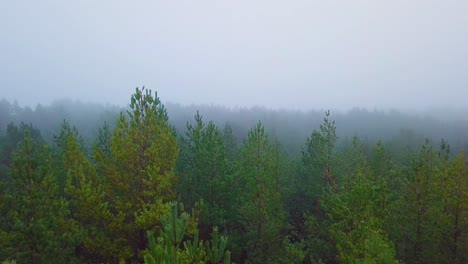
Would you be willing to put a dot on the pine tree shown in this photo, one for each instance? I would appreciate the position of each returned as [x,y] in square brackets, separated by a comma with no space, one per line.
[455,194]
[316,176]
[9,143]
[421,209]
[203,168]
[138,174]
[261,209]
[215,189]
[169,247]
[60,145]
[230,143]
[357,216]
[38,229]
[88,206]
[189,165]
[388,181]
[318,158]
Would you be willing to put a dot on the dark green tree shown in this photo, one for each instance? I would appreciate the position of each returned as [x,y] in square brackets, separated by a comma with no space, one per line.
[189,165]
[9,143]
[203,170]
[263,217]
[420,209]
[230,143]
[59,148]
[38,230]
[318,161]
[316,176]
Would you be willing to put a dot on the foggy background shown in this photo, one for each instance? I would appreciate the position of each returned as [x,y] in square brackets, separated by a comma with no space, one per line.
[299,55]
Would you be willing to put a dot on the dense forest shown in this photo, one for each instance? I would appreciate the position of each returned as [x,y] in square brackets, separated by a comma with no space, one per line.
[85,183]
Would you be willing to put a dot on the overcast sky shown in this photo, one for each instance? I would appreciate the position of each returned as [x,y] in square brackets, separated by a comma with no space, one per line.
[282,54]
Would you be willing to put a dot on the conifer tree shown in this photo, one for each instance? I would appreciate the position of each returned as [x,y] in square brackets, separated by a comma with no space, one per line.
[357,216]
[170,247]
[203,168]
[318,157]
[60,145]
[261,209]
[388,181]
[138,174]
[215,189]
[316,176]
[421,209]
[88,206]
[454,243]
[230,143]
[190,163]
[37,229]
[9,143]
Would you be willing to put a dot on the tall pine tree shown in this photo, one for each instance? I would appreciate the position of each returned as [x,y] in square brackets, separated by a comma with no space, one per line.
[261,210]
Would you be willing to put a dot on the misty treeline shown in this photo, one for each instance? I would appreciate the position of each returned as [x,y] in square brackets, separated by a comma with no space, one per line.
[397,130]
[136,186]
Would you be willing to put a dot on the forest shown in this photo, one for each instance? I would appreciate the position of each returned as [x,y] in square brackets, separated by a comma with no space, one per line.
[154,183]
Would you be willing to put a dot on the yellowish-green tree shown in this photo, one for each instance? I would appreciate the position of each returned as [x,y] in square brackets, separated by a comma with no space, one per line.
[138,173]
[124,193]
[420,209]
[454,244]
[356,211]
[88,205]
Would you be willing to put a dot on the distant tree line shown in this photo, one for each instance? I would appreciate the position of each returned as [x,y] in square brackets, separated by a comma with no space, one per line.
[397,130]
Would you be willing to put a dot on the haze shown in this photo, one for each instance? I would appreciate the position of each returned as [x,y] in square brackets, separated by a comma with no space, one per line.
[278,54]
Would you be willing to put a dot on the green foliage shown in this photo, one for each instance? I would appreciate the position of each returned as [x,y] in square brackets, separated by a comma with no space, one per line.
[38,230]
[261,209]
[189,163]
[320,150]
[316,176]
[230,143]
[315,173]
[124,193]
[203,169]
[419,208]
[103,141]
[9,143]
[87,203]
[194,251]
[137,173]
[454,213]
[166,248]
[378,249]
[293,252]
[348,201]
[318,244]
[60,145]
[216,249]
[357,215]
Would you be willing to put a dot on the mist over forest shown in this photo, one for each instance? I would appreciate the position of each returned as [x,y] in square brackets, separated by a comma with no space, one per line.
[291,127]
[222,132]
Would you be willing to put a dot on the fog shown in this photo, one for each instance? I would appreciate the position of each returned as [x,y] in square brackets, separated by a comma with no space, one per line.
[298,55]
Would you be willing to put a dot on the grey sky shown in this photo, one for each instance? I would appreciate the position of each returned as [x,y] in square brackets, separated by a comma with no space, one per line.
[283,54]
